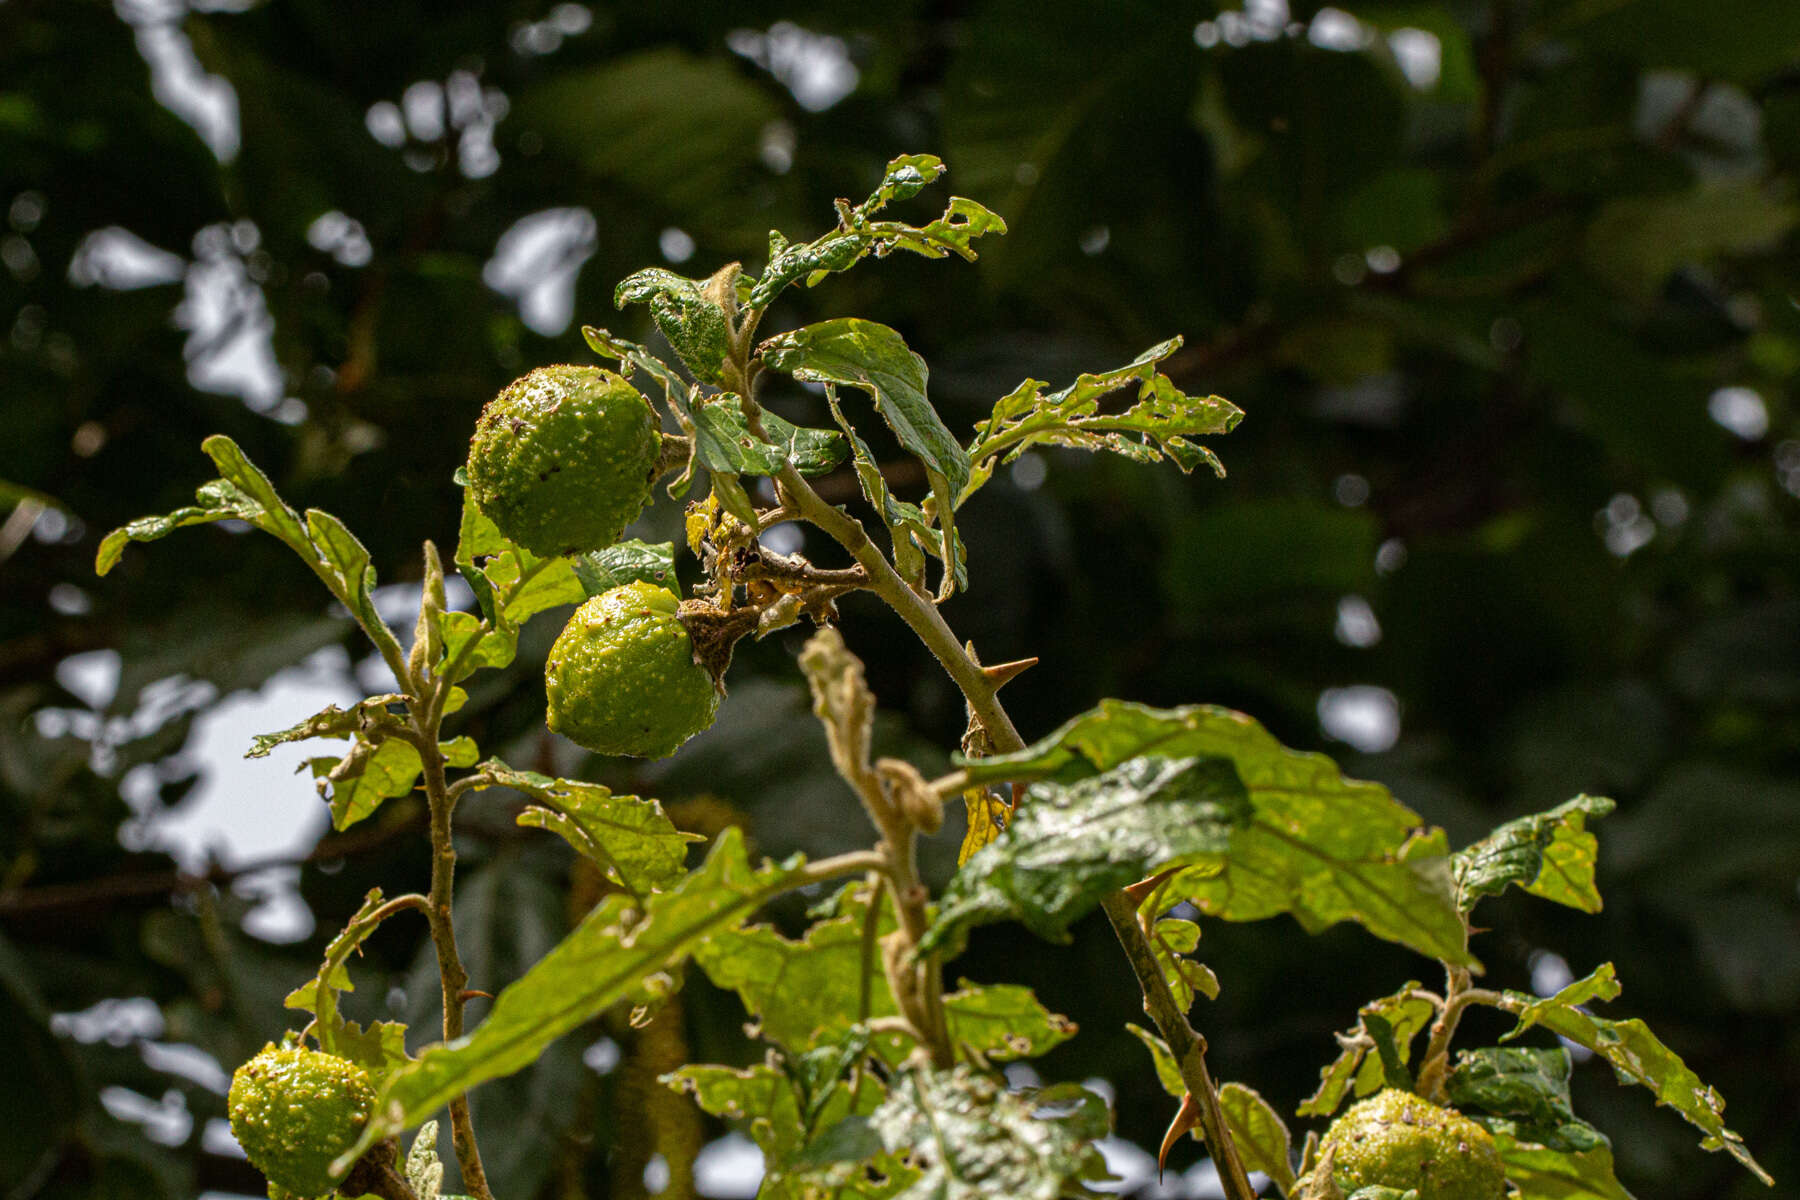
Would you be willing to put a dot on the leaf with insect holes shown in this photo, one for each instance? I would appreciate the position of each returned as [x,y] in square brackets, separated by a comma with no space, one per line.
[1069,845]
[971,1137]
[330,722]
[1523,1092]
[360,781]
[723,441]
[1262,1137]
[1635,1054]
[1316,845]
[859,234]
[1159,422]
[630,838]
[1549,854]
[606,959]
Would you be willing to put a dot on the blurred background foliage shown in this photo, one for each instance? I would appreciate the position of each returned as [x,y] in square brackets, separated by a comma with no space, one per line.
[1506,288]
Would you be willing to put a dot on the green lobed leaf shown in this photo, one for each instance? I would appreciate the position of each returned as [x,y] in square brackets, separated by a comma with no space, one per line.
[512,583]
[1636,1055]
[805,991]
[378,1047]
[604,960]
[851,352]
[1158,424]
[1262,1137]
[319,995]
[1405,1014]
[217,500]
[1069,845]
[1540,1173]
[1319,846]
[625,562]
[972,1138]
[331,721]
[909,532]
[695,325]
[471,643]
[1170,939]
[858,235]
[1524,1092]
[1549,854]
[630,837]
[371,773]
[1004,1021]
[346,558]
[761,1095]
[723,441]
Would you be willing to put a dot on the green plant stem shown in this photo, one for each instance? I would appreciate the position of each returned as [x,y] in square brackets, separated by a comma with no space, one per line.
[918,611]
[1434,1068]
[922,615]
[452,977]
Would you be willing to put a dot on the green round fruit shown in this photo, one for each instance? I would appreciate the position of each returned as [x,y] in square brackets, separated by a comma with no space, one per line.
[621,678]
[295,1110]
[1396,1139]
[563,459]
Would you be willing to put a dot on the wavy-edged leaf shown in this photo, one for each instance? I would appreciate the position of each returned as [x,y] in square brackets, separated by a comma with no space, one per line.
[471,644]
[628,837]
[1635,1054]
[511,582]
[1069,845]
[1523,1092]
[1004,1021]
[359,782]
[1549,854]
[1262,1137]
[761,1095]
[1160,421]
[687,313]
[723,441]
[987,816]
[805,991]
[627,562]
[603,960]
[216,500]
[1170,939]
[1405,1013]
[1540,1173]
[331,721]
[346,559]
[272,515]
[972,1138]
[909,531]
[1319,846]
[858,235]
[851,352]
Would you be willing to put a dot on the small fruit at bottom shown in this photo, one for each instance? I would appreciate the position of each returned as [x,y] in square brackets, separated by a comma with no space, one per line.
[621,678]
[563,459]
[294,1110]
[1398,1140]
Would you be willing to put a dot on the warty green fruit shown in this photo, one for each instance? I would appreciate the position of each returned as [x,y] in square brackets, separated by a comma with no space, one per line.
[563,459]
[621,677]
[1399,1140]
[294,1110]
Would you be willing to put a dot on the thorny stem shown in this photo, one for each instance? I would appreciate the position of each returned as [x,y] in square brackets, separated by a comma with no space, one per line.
[922,615]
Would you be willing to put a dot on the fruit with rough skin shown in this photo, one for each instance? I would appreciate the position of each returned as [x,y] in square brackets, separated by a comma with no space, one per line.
[1398,1140]
[563,459]
[621,677]
[294,1110]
